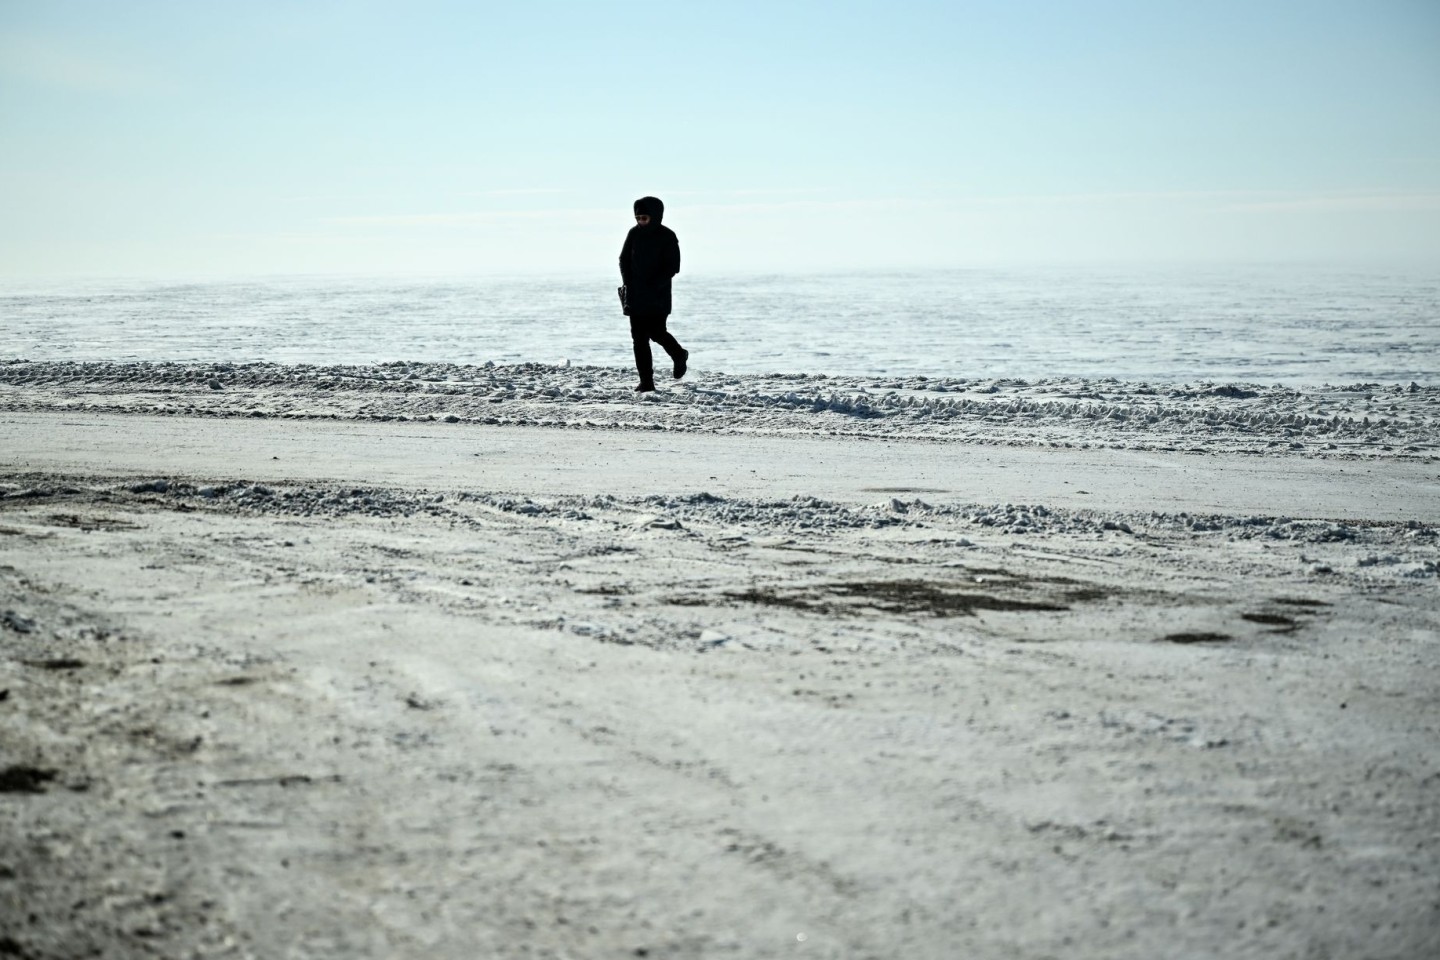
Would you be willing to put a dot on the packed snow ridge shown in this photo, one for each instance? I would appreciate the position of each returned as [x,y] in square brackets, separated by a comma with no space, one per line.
[1366,420]
[1368,550]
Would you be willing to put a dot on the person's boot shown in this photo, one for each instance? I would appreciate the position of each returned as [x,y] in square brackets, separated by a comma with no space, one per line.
[645,386]
[680,363]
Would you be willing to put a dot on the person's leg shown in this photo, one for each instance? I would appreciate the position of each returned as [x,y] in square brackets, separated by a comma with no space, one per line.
[667,340]
[640,335]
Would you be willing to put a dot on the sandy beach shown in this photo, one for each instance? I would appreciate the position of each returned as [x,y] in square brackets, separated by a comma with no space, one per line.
[462,661]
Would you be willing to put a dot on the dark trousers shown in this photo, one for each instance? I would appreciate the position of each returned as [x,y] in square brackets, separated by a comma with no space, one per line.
[643,329]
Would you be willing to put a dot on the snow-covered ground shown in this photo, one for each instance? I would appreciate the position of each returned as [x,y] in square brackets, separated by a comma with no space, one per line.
[1395,420]
[295,665]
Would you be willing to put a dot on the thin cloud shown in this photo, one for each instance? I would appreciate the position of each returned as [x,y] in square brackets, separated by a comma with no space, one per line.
[462,219]
[1119,196]
[772,191]
[519,192]
[938,197]
[339,198]
[385,197]
[1229,201]
[664,192]
[752,192]
[873,203]
[1345,203]
[1224,200]
[294,237]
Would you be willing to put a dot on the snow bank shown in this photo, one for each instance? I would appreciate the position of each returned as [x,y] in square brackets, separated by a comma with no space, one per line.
[1398,420]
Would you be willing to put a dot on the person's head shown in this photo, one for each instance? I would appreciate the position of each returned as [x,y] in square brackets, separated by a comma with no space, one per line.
[649,210]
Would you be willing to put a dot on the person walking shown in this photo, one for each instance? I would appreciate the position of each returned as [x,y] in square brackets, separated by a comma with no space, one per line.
[648,260]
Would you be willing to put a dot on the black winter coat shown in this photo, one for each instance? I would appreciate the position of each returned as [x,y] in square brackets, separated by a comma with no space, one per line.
[650,257]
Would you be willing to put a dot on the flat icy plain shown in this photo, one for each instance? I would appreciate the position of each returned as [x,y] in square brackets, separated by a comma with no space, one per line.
[294,665]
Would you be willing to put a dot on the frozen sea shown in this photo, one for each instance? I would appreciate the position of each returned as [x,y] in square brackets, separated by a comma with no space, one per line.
[1270,324]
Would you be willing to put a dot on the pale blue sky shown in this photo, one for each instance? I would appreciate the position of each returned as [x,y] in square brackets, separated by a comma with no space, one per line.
[178,138]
